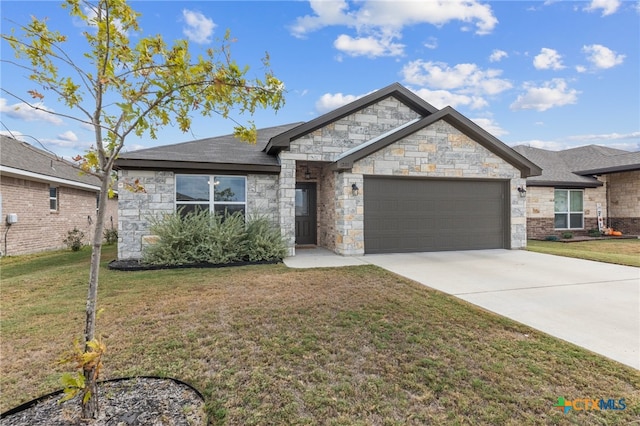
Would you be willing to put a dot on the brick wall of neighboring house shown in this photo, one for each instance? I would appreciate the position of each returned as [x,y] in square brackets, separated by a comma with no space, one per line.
[540,212]
[38,228]
[624,201]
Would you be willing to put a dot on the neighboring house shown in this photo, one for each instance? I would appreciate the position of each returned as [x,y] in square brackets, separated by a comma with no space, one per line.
[48,196]
[579,184]
[385,173]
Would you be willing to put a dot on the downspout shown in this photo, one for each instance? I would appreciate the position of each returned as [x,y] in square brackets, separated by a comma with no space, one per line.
[5,239]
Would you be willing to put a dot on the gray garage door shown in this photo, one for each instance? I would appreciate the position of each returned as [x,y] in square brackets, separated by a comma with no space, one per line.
[411,215]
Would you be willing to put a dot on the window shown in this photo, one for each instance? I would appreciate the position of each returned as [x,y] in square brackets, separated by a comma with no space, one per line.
[217,194]
[53,199]
[569,209]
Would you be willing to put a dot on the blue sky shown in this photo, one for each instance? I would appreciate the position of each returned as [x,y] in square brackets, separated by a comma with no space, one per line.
[553,75]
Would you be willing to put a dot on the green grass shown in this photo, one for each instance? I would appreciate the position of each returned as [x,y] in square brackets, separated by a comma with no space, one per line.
[619,251]
[271,345]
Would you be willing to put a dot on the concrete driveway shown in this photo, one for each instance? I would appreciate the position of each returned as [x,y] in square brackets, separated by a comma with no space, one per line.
[591,304]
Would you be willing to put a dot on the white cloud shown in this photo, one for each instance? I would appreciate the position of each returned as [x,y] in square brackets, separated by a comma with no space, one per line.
[497,55]
[68,136]
[22,111]
[367,46]
[581,68]
[548,59]
[608,7]
[605,137]
[490,126]
[384,20]
[329,102]
[466,78]
[431,43]
[551,94]
[199,28]
[444,98]
[602,57]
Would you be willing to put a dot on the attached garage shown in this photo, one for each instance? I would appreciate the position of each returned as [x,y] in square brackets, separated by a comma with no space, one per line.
[427,214]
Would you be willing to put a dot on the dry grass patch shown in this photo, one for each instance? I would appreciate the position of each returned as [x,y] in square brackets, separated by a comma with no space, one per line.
[270,345]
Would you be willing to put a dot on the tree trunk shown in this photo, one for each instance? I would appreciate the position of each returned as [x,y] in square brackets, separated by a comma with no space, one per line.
[90,406]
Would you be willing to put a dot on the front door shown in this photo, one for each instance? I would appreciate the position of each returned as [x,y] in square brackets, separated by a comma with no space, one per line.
[305,213]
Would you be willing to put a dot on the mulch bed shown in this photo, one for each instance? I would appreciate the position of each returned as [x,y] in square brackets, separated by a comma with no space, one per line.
[136,265]
[123,402]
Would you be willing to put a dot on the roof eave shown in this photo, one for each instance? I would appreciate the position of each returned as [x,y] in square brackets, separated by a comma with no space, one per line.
[193,166]
[564,184]
[39,177]
[612,169]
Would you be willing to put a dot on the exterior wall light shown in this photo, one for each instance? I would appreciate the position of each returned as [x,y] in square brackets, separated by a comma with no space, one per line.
[522,191]
[354,189]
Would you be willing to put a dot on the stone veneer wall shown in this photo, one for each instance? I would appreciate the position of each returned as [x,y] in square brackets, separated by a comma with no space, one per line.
[540,211]
[442,151]
[624,201]
[159,198]
[38,228]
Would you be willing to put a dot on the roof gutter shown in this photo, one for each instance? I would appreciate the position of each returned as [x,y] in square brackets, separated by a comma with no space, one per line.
[10,171]
[191,166]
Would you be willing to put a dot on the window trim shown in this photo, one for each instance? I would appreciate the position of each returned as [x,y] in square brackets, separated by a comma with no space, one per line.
[211,202]
[55,198]
[568,212]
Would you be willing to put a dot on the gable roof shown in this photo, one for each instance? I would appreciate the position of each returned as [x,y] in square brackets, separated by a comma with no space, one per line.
[575,167]
[466,126]
[223,153]
[20,159]
[395,90]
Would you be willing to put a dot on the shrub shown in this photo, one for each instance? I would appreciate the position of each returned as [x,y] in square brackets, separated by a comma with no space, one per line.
[74,239]
[110,235]
[551,238]
[594,233]
[264,241]
[200,237]
[567,235]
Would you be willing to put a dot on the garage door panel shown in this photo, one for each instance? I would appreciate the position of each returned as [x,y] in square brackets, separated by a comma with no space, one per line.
[405,215]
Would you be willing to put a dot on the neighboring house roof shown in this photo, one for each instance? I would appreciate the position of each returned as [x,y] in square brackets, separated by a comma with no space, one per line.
[20,159]
[574,168]
[226,152]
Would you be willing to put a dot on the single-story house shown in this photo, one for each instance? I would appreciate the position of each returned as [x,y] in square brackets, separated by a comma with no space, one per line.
[386,173]
[42,198]
[583,188]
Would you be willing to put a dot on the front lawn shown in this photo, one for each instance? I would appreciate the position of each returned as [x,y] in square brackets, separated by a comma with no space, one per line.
[619,251]
[271,345]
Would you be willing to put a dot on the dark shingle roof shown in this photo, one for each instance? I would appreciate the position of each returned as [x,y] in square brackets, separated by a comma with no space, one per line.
[574,167]
[17,157]
[223,151]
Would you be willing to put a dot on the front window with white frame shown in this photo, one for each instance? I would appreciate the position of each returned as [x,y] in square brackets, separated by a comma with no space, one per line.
[569,210]
[214,193]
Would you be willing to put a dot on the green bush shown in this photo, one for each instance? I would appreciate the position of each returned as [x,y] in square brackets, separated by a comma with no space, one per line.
[551,238]
[74,239]
[110,235]
[594,233]
[200,237]
[567,235]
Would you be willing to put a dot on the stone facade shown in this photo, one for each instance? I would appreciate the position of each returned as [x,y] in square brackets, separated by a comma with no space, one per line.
[624,201]
[439,150]
[158,198]
[38,227]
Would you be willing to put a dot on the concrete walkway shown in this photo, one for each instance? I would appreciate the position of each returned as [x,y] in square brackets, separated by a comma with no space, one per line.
[591,304]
